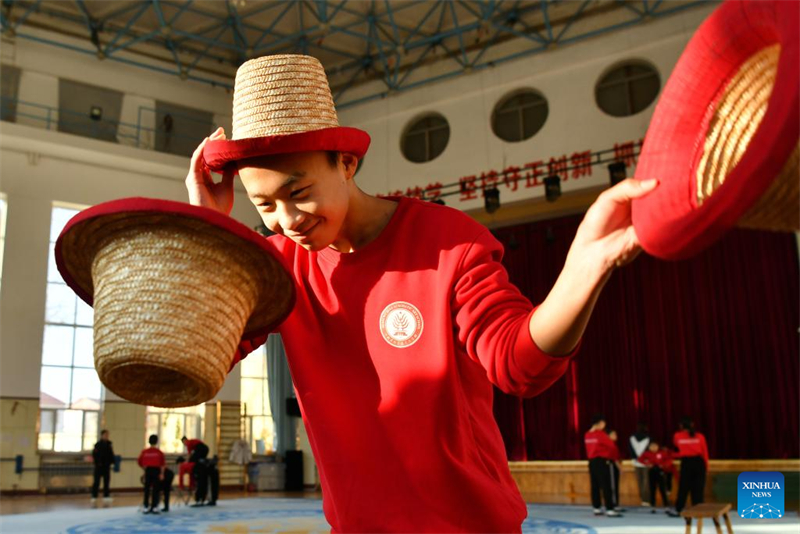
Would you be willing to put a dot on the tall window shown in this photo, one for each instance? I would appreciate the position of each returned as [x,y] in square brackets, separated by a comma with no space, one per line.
[171,424]
[259,425]
[3,211]
[70,392]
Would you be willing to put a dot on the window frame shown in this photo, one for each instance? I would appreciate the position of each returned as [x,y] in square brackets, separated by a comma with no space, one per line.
[627,80]
[414,128]
[59,411]
[520,112]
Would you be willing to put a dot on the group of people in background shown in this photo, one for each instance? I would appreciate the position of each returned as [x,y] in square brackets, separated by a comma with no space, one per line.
[653,466]
[157,477]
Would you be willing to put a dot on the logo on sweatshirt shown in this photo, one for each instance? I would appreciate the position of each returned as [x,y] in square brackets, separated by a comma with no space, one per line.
[760,495]
[401,324]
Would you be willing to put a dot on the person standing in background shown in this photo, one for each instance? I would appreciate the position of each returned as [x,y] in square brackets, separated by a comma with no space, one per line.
[659,463]
[103,457]
[600,450]
[639,443]
[153,462]
[693,452]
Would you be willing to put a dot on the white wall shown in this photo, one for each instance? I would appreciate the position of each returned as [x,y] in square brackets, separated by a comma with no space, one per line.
[39,167]
[566,76]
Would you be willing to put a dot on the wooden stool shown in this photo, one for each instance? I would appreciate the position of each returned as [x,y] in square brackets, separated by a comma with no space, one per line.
[707,509]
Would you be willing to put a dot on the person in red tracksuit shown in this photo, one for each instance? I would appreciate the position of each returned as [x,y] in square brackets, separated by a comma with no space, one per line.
[152,461]
[693,452]
[402,308]
[660,468]
[600,450]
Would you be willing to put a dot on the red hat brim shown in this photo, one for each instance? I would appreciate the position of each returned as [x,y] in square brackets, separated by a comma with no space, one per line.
[220,155]
[158,207]
[669,222]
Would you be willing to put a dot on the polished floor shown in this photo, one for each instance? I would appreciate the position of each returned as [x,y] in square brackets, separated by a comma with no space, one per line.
[302,513]
[26,504]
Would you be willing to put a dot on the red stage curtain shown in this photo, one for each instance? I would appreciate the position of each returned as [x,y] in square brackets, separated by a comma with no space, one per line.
[714,337]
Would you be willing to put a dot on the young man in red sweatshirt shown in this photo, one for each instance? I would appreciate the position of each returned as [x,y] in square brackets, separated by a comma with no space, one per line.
[693,452]
[601,452]
[152,461]
[404,315]
[204,470]
[660,468]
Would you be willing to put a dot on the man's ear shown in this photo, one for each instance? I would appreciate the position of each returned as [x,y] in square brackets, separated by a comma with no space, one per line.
[349,163]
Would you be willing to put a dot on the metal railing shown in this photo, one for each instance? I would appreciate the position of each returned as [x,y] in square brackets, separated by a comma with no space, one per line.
[140,134]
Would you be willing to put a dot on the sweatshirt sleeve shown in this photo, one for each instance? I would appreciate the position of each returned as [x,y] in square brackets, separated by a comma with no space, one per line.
[246,346]
[492,322]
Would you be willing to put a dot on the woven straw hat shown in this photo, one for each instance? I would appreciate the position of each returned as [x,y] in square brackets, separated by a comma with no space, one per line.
[175,288]
[723,140]
[283,104]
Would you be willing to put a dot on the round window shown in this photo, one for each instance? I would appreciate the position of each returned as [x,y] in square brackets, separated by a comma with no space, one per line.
[519,116]
[425,138]
[627,89]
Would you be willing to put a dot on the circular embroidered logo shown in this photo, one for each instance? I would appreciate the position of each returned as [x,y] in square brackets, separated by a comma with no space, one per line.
[401,324]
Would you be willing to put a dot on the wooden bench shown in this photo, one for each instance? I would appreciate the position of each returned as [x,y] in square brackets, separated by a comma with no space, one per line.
[707,509]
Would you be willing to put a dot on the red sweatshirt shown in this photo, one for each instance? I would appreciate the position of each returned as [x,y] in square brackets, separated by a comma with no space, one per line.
[393,350]
[661,458]
[691,445]
[599,445]
[191,444]
[151,457]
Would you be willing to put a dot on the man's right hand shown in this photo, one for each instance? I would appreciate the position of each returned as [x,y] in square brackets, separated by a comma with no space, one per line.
[200,185]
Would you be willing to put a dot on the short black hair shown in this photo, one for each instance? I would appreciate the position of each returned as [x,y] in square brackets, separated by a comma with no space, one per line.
[596,418]
[333,158]
[183,438]
[153,439]
[104,431]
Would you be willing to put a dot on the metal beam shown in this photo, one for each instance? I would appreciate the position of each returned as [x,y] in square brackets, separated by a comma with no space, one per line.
[124,31]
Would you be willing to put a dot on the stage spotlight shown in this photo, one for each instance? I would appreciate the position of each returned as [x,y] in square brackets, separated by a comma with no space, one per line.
[552,187]
[617,172]
[491,199]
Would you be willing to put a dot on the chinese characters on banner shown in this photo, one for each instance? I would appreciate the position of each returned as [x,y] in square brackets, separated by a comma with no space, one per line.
[568,167]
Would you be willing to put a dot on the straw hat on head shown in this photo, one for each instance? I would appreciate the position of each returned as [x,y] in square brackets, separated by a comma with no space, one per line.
[282,104]
[723,140]
[175,288]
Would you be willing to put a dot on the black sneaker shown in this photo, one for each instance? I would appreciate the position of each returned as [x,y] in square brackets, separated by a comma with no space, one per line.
[598,511]
[197,505]
[613,513]
[211,503]
[146,511]
[153,511]
[165,509]
[673,513]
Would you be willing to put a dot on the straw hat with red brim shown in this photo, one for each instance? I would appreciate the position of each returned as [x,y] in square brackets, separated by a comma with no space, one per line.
[723,140]
[175,288]
[282,104]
